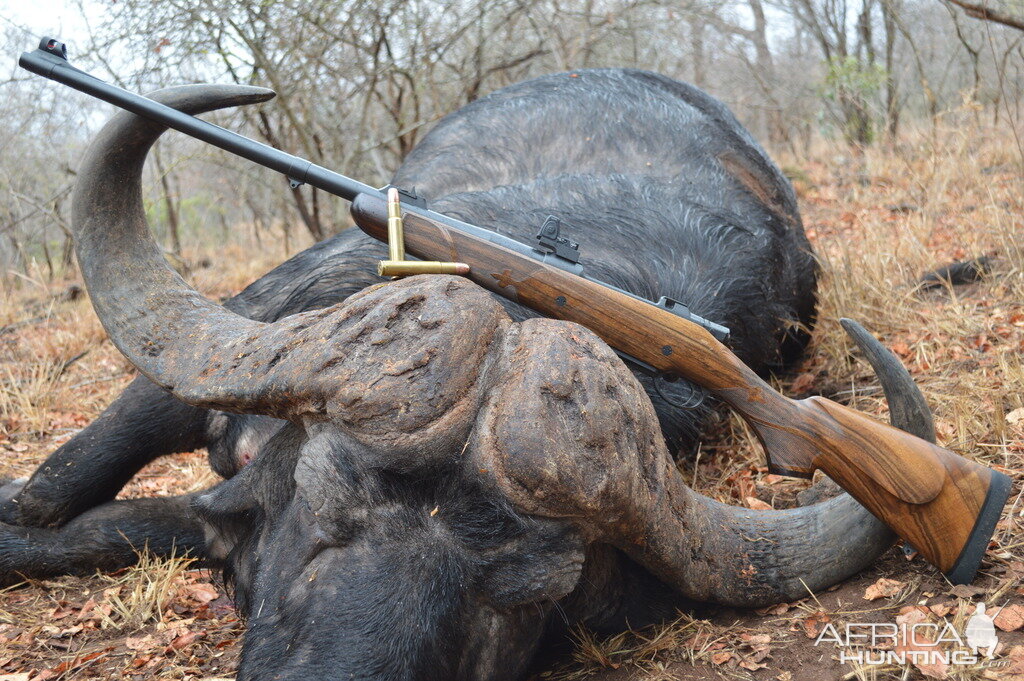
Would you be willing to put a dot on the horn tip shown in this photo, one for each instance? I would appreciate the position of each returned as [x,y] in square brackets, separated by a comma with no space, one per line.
[202,97]
[262,94]
[856,330]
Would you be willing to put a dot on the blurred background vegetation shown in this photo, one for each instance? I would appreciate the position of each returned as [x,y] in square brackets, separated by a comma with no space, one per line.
[360,82]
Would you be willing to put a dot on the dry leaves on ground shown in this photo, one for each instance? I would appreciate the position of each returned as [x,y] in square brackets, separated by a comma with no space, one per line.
[1010,618]
[883,588]
[921,649]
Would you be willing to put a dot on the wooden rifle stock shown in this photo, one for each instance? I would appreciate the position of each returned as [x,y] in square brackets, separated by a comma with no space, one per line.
[946,506]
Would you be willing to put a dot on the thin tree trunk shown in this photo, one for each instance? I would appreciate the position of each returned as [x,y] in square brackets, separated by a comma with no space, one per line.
[172,213]
[697,48]
[308,219]
[892,106]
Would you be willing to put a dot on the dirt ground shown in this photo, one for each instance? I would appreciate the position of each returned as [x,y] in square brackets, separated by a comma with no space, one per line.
[878,219]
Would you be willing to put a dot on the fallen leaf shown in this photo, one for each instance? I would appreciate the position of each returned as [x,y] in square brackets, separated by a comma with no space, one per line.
[883,588]
[1016,660]
[139,643]
[931,664]
[20,676]
[86,609]
[201,592]
[941,609]
[71,631]
[1010,618]
[784,676]
[966,591]
[935,669]
[901,349]
[170,633]
[721,657]
[778,609]
[759,650]
[813,624]
[755,639]
[803,383]
[187,639]
[757,505]
[60,612]
[77,662]
[912,614]
[1016,416]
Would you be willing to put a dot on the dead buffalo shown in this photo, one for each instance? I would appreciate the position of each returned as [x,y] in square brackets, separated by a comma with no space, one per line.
[438,481]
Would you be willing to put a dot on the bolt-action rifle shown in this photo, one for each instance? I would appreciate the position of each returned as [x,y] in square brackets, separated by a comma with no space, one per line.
[946,506]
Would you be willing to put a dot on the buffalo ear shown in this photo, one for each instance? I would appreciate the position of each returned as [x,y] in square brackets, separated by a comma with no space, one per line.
[228,498]
[229,511]
[536,568]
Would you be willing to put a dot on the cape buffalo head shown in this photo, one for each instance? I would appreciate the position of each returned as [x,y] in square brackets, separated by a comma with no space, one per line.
[447,477]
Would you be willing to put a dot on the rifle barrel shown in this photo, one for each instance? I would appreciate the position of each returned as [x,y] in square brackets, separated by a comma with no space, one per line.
[58,69]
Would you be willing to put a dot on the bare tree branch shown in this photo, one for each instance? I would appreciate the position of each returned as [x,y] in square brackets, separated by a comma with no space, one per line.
[978,11]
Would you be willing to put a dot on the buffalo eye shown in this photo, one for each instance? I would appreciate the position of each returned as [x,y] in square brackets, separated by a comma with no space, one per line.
[545,564]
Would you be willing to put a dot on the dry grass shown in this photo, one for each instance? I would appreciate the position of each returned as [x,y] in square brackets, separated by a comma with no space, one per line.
[878,220]
[142,593]
[685,638]
[58,371]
